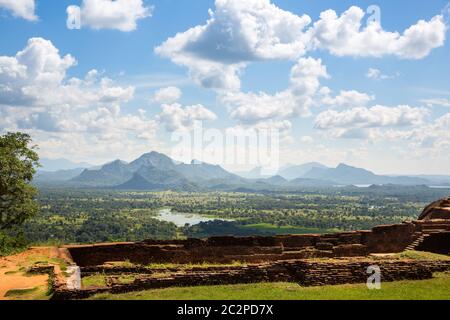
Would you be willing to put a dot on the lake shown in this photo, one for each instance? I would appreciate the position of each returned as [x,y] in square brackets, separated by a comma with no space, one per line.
[181,219]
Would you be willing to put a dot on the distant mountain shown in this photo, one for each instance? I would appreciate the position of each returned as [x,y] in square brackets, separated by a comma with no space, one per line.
[255,173]
[54,165]
[57,176]
[277,180]
[111,174]
[437,180]
[302,182]
[289,172]
[294,172]
[347,175]
[154,171]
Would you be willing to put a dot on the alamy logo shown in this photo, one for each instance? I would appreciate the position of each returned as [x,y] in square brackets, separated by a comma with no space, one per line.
[73,18]
[374,280]
[375,15]
[253,147]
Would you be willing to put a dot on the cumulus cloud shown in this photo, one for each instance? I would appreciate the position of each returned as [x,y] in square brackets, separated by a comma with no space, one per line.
[36,77]
[167,95]
[280,129]
[239,32]
[354,123]
[294,101]
[427,141]
[38,97]
[36,68]
[113,14]
[20,8]
[345,36]
[348,99]
[176,117]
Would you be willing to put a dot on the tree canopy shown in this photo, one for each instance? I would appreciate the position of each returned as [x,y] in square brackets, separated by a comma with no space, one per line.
[18,161]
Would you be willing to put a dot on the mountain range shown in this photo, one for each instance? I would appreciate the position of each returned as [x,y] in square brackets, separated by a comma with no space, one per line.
[156,171]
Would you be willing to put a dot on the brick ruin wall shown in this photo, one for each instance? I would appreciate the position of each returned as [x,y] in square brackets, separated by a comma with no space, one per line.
[437,243]
[381,239]
[305,273]
[269,259]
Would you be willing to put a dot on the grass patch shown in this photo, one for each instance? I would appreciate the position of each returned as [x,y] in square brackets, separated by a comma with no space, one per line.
[11,273]
[189,266]
[20,292]
[126,279]
[36,293]
[128,264]
[419,255]
[94,281]
[433,289]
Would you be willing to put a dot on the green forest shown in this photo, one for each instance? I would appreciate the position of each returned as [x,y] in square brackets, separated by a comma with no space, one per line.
[92,216]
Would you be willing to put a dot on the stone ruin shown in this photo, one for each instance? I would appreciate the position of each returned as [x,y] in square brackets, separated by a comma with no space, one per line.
[265,259]
[439,210]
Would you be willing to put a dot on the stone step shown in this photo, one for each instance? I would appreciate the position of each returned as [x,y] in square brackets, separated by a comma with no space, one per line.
[432,231]
[436,226]
[417,242]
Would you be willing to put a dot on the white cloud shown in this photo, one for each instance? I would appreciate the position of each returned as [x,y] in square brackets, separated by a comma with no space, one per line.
[345,36]
[376,74]
[441,102]
[236,33]
[67,113]
[294,101]
[347,123]
[430,141]
[282,128]
[307,139]
[36,77]
[167,95]
[239,32]
[348,99]
[33,72]
[176,117]
[113,14]
[20,8]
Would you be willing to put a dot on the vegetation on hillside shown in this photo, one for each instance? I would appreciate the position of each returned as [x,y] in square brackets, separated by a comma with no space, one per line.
[18,161]
[95,215]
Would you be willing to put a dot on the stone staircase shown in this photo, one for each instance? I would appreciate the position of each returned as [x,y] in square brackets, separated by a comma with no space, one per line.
[417,242]
[428,229]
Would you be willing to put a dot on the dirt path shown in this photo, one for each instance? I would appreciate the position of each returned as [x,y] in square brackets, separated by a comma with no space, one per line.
[13,277]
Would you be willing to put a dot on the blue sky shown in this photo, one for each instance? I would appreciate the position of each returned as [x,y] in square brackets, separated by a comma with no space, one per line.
[393,119]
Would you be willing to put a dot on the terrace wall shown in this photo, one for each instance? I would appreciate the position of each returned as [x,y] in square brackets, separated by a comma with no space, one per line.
[302,272]
[382,239]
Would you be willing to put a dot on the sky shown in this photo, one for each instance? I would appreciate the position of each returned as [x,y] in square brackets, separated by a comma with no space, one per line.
[339,81]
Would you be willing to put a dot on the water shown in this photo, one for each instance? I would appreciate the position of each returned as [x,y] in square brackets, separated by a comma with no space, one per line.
[440,187]
[181,219]
[363,185]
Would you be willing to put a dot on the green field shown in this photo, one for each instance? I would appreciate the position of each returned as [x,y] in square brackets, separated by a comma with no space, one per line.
[434,289]
[280,230]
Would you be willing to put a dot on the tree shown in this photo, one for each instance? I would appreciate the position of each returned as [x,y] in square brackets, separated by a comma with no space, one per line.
[18,161]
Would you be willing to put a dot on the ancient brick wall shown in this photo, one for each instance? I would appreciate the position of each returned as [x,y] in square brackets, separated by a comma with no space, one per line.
[305,273]
[436,243]
[381,239]
[389,239]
